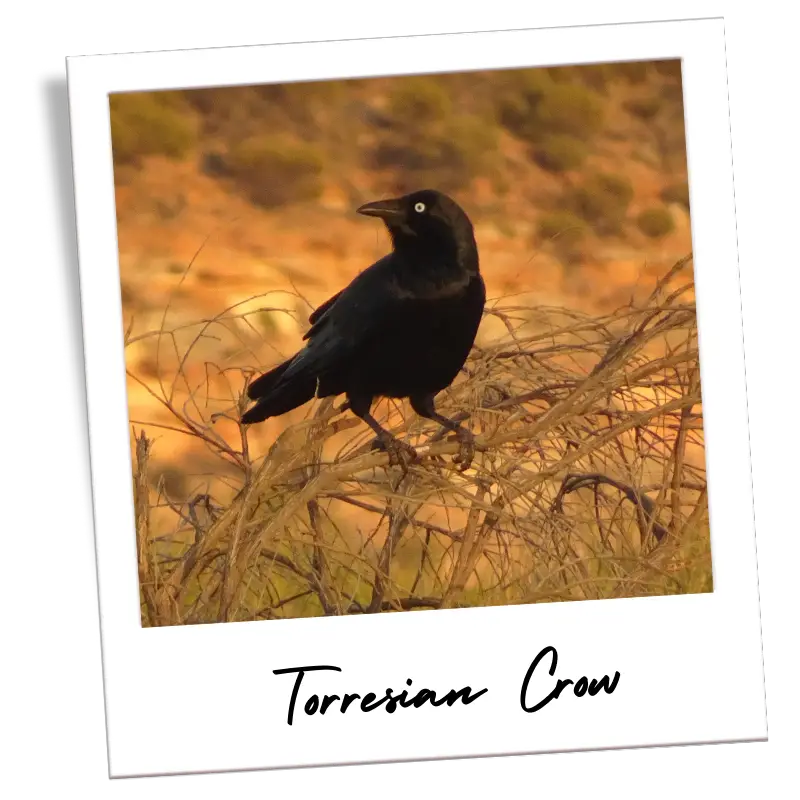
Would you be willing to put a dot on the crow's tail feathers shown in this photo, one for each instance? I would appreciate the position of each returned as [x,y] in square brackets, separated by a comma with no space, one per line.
[275,396]
[263,385]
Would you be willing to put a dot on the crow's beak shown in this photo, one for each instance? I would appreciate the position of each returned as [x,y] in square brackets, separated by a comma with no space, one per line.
[388,210]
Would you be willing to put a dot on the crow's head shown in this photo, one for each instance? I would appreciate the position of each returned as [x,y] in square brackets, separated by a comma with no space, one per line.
[426,216]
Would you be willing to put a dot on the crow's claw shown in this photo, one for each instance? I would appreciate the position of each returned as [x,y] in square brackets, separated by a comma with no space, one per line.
[400,453]
[466,451]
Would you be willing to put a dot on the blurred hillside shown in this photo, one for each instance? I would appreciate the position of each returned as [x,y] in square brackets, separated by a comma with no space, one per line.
[575,178]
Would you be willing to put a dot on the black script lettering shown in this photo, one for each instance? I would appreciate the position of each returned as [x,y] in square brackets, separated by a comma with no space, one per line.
[596,686]
[395,699]
[463,695]
[422,697]
[321,703]
[403,697]
[368,704]
[326,701]
[349,698]
[579,689]
[428,696]
[301,671]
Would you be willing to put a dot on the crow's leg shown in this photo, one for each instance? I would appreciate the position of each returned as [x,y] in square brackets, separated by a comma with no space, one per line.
[400,453]
[423,405]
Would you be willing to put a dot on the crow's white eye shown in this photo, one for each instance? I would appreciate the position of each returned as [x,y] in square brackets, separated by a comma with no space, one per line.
[419,207]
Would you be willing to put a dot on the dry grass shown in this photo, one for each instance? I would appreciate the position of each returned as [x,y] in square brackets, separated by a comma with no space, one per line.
[590,482]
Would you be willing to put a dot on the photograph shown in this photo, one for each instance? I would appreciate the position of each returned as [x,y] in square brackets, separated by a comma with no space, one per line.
[410,343]
[448,325]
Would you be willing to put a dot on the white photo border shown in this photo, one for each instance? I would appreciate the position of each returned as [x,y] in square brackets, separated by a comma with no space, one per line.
[204,698]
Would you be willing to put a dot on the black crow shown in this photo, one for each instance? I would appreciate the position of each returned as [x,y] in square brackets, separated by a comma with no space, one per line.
[402,328]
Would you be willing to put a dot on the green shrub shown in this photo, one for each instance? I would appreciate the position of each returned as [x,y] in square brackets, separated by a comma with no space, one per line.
[423,140]
[520,93]
[536,106]
[602,200]
[236,112]
[224,108]
[419,101]
[449,155]
[669,136]
[560,74]
[299,103]
[501,184]
[632,71]
[645,108]
[291,94]
[655,222]
[672,92]
[215,165]
[266,321]
[559,153]
[670,67]
[570,109]
[676,193]
[595,76]
[149,123]
[562,226]
[564,232]
[274,171]
[171,98]
[472,148]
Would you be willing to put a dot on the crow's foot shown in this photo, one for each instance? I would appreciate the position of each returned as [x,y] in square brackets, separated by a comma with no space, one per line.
[466,451]
[400,453]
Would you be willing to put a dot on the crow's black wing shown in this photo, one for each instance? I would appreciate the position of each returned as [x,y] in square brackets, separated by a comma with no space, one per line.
[347,320]
[320,310]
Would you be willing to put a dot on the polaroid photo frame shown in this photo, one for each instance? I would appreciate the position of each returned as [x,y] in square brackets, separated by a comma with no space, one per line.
[646,671]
